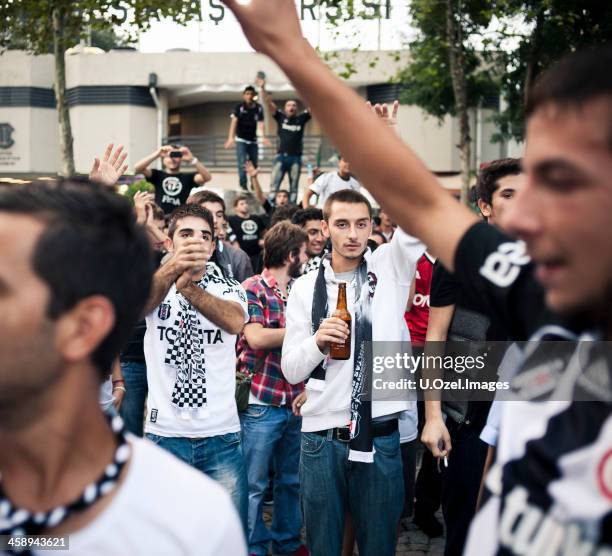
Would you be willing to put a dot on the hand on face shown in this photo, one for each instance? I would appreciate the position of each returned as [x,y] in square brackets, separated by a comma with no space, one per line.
[190,255]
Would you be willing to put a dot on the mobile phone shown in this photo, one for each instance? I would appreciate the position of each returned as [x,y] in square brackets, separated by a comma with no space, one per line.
[176,154]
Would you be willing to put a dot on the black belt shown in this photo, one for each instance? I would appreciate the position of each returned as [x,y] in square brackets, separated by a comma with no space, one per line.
[343,434]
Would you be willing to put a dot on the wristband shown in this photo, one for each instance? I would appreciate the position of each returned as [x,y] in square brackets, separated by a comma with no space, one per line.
[119,388]
[194,161]
[118,381]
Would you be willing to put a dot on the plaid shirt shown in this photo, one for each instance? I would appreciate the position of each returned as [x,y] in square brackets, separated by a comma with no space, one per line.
[268,309]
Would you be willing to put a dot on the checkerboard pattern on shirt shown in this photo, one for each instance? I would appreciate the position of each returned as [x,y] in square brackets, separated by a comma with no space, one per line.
[190,387]
[268,309]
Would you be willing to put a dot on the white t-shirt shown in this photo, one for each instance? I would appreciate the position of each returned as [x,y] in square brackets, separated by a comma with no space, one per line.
[329,183]
[220,416]
[163,507]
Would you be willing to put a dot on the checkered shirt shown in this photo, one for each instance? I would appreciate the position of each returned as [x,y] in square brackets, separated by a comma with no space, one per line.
[267,308]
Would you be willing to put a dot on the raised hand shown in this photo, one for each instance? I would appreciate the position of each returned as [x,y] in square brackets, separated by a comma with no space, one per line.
[108,170]
[267,24]
[165,151]
[250,169]
[187,154]
[192,255]
[141,200]
[382,111]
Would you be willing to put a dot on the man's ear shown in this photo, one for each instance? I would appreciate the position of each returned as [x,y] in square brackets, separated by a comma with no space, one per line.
[169,244]
[81,330]
[485,208]
[325,229]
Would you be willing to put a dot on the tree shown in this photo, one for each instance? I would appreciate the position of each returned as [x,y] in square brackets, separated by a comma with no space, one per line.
[447,74]
[468,50]
[37,24]
[553,28]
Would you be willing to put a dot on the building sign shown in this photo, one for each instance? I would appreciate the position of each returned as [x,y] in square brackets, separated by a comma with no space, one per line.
[6,140]
[311,10]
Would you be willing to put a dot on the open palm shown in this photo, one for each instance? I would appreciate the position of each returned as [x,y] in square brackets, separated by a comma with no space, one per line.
[108,170]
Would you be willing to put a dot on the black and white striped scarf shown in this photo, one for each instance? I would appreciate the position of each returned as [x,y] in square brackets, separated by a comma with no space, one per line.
[362,440]
[186,354]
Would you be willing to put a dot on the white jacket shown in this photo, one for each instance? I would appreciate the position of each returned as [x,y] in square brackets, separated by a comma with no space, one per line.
[394,265]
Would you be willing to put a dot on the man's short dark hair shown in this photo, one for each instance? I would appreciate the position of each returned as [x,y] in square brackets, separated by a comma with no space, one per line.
[158,212]
[91,245]
[280,241]
[574,80]
[345,196]
[249,88]
[491,173]
[304,215]
[189,210]
[202,197]
[285,212]
[239,198]
[282,191]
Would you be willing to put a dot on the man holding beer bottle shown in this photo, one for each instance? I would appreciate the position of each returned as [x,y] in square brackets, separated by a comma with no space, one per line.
[350,454]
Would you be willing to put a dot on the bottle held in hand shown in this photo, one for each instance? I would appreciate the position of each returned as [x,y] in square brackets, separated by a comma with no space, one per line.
[342,351]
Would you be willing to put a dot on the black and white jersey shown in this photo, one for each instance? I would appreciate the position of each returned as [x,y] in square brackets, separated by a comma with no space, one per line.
[550,490]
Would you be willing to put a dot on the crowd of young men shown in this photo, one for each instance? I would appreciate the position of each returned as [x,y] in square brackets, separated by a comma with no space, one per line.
[78,275]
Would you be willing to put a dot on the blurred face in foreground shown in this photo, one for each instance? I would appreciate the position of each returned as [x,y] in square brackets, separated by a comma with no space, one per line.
[564,210]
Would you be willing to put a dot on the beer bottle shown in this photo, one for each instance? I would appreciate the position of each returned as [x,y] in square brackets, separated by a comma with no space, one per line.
[342,351]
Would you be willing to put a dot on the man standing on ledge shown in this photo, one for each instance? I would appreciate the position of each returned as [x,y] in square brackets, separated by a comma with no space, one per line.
[290,142]
[247,122]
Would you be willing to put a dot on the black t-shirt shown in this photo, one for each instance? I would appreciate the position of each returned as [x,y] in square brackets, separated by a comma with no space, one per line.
[496,278]
[291,132]
[171,190]
[468,323]
[248,231]
[556,449]
[247,117]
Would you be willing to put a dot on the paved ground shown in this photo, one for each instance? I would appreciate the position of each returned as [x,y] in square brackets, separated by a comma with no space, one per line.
[412,541]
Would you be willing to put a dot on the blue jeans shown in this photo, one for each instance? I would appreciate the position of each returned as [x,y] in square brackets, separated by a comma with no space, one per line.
[287,164]
[136,389]
[272,434]
[219,457]
[373,493]
[244,152]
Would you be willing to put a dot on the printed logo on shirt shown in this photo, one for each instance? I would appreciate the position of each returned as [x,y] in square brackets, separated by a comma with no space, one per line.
[527,529]
[153,415]
[604,475]
[420,300]
[172,186]
[504,265]
[249,227]
[164,311]
[291,127]
[372,281]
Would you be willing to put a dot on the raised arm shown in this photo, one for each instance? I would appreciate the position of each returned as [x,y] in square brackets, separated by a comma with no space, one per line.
[266,96]
[390,170]
[253,172]
[184,259]
[231,134]
[203,175]
[142,166]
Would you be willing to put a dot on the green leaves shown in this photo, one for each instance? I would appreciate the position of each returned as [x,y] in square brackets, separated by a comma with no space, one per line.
[28,23]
